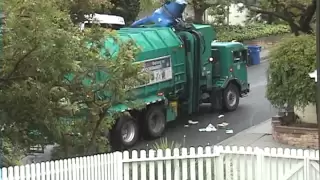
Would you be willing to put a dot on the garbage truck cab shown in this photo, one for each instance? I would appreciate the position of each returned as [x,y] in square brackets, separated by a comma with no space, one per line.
[229,61]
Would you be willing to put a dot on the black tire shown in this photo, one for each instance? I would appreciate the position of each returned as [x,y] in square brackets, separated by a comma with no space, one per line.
[231,96]
[153,130]
[118,140]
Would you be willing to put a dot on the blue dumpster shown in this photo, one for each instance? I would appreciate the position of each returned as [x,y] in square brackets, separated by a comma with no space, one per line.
[254,54]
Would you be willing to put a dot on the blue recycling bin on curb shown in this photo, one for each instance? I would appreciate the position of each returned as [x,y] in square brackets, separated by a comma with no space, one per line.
[254,54]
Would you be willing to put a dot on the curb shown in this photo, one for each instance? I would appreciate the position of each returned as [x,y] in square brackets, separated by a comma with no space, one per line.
[241,132]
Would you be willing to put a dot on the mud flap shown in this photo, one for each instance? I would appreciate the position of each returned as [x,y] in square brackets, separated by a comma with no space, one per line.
[216,99]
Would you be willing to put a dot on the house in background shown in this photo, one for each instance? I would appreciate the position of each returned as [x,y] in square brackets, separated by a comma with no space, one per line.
[235,16]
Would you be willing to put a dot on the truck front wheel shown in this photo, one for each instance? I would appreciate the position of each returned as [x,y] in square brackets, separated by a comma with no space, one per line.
[154,122]
[125,133]
[231,97]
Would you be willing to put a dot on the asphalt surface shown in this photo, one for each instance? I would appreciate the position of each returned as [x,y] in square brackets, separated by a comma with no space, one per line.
[252,110]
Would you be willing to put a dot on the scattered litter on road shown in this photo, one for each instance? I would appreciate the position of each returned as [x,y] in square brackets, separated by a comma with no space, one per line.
[220,116]
[193,122]
[209,128]
[224,124]
[229,131]
[190,122]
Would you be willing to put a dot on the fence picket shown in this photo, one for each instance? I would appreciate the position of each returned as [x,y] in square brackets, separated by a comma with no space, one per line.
[242,161]
[200,163]
[109,164]
[28,174]
[16,172]
[235,161]
[192,163]
[47,171]
[160,164]
[249,162]
[267,165]
[33,171]
[208,174]
[176,153]
[293,163]
[286,163]
[274,172]
[184,163]
[280,164]
[152,171]
[134,166]
[126,167]
[168,164]
[229,163]
[143,170]
[22,172]
[300,172]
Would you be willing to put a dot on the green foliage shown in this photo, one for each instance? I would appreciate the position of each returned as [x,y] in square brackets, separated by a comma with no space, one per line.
[288,80]
[220,12]
[298,14]
[128,9]
[164,144]
[40,104]
[249,32]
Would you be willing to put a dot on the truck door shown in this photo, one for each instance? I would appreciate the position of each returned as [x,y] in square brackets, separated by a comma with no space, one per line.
[240,58]
[215,63]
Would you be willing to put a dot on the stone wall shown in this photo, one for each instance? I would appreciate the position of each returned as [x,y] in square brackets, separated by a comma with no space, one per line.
[299,137]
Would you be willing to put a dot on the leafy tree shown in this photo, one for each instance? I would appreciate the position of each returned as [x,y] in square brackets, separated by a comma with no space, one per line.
[128,9]
[51,86]
[77,9]
[220,12]
[288,80]
[296,13]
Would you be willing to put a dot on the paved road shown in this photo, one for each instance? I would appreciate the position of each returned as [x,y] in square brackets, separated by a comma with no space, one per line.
[252,110]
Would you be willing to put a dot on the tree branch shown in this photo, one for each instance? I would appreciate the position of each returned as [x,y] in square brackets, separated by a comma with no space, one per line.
[20,61]
[278,15]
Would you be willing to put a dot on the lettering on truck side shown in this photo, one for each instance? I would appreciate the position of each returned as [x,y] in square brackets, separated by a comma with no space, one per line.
[159,68]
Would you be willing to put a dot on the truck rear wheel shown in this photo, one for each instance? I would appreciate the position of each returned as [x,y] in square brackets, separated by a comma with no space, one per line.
[154,122]
[231,97]
[125,133]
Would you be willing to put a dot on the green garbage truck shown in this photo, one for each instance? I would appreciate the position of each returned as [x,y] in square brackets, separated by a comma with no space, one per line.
[188,68]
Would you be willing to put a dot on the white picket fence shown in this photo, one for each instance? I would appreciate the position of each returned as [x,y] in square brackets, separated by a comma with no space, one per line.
[209,163]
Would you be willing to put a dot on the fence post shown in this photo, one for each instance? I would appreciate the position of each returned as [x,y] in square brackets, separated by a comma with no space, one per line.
[119,165]
[260,163]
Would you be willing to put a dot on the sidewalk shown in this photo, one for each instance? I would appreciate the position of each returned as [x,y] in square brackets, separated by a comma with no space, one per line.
[255,136]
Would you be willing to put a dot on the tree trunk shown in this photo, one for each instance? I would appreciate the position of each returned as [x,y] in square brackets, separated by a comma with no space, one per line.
[198,15]
[270,19]
[294,29]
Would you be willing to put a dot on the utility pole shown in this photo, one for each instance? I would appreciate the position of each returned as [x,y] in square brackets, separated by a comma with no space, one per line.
[318,71]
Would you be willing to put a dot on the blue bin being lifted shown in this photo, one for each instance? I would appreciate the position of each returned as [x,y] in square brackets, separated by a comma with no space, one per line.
[254,54]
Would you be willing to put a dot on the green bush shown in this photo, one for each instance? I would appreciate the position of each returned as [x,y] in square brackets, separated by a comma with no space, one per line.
[288,80]
[249,32]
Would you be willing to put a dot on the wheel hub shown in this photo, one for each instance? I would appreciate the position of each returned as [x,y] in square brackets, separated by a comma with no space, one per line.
[128,132]
[155,123]
[231,98]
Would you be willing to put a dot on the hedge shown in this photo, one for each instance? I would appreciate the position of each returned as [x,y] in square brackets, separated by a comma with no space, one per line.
[249,32]
[290,63]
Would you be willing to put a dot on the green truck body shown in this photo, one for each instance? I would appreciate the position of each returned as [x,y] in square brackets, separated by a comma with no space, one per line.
[188,69]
